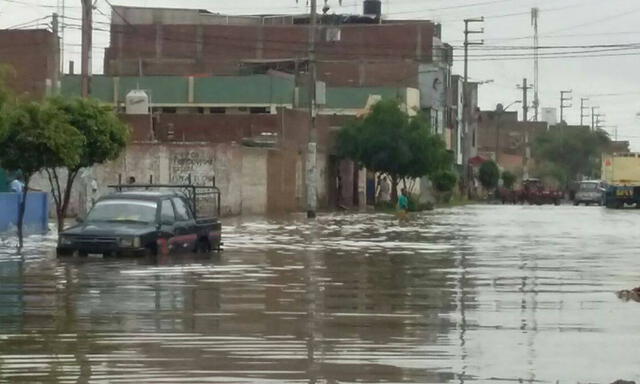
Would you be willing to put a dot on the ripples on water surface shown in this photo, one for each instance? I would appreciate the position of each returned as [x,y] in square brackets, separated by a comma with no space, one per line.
[476,294]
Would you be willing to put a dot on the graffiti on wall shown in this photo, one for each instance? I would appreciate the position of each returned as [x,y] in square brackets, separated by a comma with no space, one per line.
[200,165]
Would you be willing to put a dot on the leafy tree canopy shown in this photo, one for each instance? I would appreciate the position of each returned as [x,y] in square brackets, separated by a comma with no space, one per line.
[567,153]
[35,135]
[389,141]
[508,179]
[489,174]
[105,135]
[444,181]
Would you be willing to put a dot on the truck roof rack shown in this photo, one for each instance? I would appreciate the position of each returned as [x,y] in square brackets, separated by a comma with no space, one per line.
[192,192]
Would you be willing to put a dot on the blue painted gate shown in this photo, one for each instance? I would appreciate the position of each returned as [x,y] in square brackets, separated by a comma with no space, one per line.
[36,215]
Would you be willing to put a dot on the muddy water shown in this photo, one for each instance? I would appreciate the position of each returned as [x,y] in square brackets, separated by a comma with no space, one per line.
[477,294]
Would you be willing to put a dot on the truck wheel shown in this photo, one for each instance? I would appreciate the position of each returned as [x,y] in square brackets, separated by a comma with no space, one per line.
[203,246]
[576,203]
[151,251]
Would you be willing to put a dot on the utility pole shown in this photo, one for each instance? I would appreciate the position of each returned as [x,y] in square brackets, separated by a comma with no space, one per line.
[87,29]
[467,43]
[582,109]
[563,101]
[525,117]
[465,89]
[535,14]
[312,146]
[55,26]
[525,106]
[593,118]
[599,121]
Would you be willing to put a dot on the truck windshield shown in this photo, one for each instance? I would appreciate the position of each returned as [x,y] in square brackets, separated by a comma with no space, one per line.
[588,186]
[124,211]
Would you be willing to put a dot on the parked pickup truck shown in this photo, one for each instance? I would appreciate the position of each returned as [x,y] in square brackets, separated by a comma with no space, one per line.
[143,222]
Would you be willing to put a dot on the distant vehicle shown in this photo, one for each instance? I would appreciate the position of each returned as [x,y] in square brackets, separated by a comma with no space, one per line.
[142,222]
[589,192]
[534,192]
[621,174]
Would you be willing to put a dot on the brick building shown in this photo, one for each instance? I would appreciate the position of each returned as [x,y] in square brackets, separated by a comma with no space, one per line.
[503,138]
[32,60]
[351,50]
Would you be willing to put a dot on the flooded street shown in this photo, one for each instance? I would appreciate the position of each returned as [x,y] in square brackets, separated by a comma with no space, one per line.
[475,294]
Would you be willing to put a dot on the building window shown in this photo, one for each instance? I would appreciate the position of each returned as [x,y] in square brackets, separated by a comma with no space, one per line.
[169,110]
[333,34]
[218,110]
[258,110]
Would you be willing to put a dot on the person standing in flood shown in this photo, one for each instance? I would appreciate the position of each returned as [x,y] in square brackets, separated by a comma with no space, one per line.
[384,191]
[17,185]
[403,204]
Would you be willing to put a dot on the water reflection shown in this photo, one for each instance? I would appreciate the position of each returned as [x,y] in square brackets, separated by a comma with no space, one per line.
[466,295]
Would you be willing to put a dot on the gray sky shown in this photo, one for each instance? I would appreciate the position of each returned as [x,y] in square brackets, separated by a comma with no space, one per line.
[610,82]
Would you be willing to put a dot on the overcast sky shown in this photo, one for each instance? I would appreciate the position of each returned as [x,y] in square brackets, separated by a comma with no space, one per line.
[610,82]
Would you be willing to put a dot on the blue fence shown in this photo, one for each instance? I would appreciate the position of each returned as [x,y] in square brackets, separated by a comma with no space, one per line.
[36,215]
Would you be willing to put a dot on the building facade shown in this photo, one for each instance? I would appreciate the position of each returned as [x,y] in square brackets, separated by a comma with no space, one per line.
[30,61]
[506,140]
[351,50]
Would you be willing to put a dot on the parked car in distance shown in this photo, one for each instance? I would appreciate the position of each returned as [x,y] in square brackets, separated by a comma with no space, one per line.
[589,192]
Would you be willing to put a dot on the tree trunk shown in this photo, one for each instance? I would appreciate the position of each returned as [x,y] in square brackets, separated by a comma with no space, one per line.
[21,209]
[62,202]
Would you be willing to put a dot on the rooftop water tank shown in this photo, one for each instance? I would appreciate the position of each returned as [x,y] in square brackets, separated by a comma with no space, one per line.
[137,102]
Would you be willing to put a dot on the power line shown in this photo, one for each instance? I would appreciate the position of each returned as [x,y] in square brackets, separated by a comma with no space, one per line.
[235,42]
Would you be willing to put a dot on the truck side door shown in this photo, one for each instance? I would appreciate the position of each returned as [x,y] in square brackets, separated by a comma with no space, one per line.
[186,231]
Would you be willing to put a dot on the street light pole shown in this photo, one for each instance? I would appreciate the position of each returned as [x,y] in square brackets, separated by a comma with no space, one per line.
[500,110]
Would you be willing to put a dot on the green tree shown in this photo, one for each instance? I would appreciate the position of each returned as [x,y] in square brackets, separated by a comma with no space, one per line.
[35,136]
[568,153]
[489,175]
[390,141]
[444,181]
[105,137]
[508,179]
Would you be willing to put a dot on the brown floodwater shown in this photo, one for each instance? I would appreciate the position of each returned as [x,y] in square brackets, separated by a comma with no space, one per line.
[475,294]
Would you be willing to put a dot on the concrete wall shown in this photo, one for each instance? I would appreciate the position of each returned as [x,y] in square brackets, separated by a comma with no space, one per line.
[251,180]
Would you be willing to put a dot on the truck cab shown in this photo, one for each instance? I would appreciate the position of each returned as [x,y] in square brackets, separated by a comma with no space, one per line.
[141,223]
